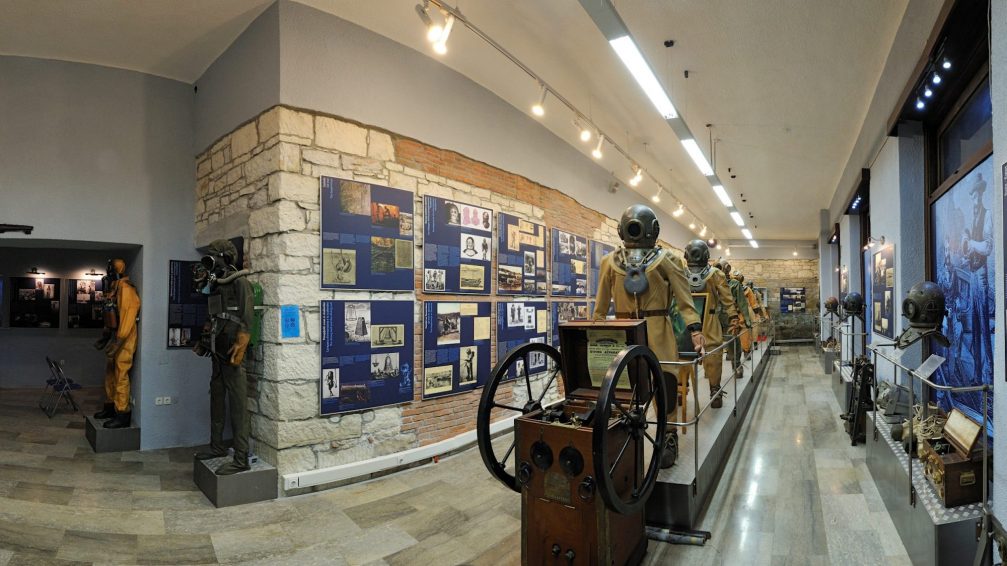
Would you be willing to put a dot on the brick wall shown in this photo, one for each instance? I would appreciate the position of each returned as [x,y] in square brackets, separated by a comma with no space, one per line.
[262,181]
[776,273]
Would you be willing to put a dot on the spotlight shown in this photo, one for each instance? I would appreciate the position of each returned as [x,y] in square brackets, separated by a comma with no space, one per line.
[433,30]
[656,198]
[727,252]
[585,133]
[637,177]
[936,80]
[679,211]
[795,253]
[927,92]
[702,233]
[35,272]
[946,64]
[596,153]
[441,43]
[919,104]
[692,226]
[719,246]
[539,108]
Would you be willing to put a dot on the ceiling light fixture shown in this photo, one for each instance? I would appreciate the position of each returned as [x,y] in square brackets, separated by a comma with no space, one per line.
[34,271]
[585,133]
[679,211]
[753,243]
[626,49]
[539,108]
[433,30]
[94,273]
[719,246]
[727,252]
[795,252]
[441,43]
[596,153]
[746,233]
[692,226]
[927,92]
[637,177]
[737,218]
[702,233]
[946,64]
[919,104]
[722,195]
[936,80]
[697,156]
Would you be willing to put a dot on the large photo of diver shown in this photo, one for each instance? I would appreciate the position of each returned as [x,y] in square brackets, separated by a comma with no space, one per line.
[964,269]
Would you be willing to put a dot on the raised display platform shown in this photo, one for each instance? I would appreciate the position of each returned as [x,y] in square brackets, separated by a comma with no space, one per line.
[932,534]
[684,490]
[842,384]
[257,484]
[104,439]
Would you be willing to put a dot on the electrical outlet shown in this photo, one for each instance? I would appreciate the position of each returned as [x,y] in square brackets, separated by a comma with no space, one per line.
[159,400]
[167,400]
[291,483]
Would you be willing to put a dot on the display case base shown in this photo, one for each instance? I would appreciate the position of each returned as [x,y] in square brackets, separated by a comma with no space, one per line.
[683,491]
[104,439]
[842,385]
[932,534]
[257,484]
[828,360]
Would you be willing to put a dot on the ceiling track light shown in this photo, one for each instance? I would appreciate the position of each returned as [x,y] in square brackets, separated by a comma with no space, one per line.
[657,196]
[585,133]
[946,64]
[727,252]
[919,106]
[692,226]
[702,233]
[34,271]
[441,42]
[927,92]
[679,211]
[637,176]
[936,79]
[539,108]
[596,153]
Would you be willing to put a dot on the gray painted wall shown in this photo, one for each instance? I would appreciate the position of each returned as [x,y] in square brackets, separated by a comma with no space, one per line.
[99,154]
[849,258]
[998,86]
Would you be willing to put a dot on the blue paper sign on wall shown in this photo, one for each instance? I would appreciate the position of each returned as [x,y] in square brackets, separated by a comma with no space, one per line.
[290,321]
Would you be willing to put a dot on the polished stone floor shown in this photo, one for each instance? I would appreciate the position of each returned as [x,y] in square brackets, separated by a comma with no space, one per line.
[794,492]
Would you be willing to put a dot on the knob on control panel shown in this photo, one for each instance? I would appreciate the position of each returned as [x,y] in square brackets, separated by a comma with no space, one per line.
[541,454]
[571,461]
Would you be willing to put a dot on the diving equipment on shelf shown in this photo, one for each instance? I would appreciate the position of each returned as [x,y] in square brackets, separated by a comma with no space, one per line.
[586,463]
[953,464]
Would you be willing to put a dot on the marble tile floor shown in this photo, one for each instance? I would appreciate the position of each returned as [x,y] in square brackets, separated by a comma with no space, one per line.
[794,492]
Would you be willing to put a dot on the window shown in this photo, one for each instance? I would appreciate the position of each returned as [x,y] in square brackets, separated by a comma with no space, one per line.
[969,132]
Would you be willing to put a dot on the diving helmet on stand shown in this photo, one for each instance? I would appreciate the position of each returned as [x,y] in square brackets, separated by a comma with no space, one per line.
[925,308]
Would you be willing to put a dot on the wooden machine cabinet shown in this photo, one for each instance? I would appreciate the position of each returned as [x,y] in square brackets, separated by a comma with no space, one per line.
[581,464]
[953,464]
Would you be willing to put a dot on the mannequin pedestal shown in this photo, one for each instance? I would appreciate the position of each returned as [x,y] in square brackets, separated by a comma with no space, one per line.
[256,484]
[111,439]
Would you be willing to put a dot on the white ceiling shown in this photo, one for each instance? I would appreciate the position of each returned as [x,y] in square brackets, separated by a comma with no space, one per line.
[785,84]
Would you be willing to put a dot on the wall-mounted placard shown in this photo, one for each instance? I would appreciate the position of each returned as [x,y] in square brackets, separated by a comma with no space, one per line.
[569,264]
[793,299]
[598,252]
[456,346]
[187,310]
[367,236]
[520,257]
[457,247]
[84,299]
[519,323]
[565,311]
[34,302]
[883,291]
[367,355]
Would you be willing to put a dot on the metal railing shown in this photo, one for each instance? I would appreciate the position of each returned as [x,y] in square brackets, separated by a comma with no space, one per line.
[926,383]
[696,364]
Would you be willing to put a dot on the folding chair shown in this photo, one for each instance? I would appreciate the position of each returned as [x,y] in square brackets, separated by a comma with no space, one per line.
[63,391]
[49,391]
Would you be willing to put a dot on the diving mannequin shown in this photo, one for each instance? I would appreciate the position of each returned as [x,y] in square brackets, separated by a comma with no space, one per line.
[735,349]
[118,340]
[643,279]
[225,338]
[743,298]
[704,278]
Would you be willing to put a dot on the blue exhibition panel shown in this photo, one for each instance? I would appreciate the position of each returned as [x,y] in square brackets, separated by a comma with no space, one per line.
[520,257]
[367,355]
[519,323]
[457,247]
[565,311]
[456,346]
[598,252]
[569,264]
[367,236]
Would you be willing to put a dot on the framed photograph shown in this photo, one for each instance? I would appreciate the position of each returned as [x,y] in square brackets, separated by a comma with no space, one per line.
[457,244]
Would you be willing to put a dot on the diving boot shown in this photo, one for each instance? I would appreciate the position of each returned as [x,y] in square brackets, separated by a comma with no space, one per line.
[233,467]
[107,412]
[210,454]
[717,400]
[120,420]
[670,453]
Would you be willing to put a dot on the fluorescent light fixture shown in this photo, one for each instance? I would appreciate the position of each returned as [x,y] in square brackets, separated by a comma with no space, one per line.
[737,218]
[441,43]
[746,233]
[722,195]
[697,156]
[638,67]
[539,108]
[753,243]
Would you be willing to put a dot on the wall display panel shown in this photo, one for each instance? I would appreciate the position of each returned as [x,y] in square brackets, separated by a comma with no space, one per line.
[598,252]
[84,300]
[882,291]
[456,346]
[457,247]
[793,299]
[367,236]
[519,323]
[569,264]
[34,302]
[869,294]
[565,311]
[964,265]
[187,308]
[367,355]
[520,257]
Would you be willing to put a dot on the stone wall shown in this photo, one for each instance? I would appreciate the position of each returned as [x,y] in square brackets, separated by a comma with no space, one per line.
[262,182]
[776,273]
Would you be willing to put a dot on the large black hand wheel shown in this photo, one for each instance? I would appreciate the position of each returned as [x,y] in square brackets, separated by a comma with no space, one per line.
[513,393]
[641,417]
